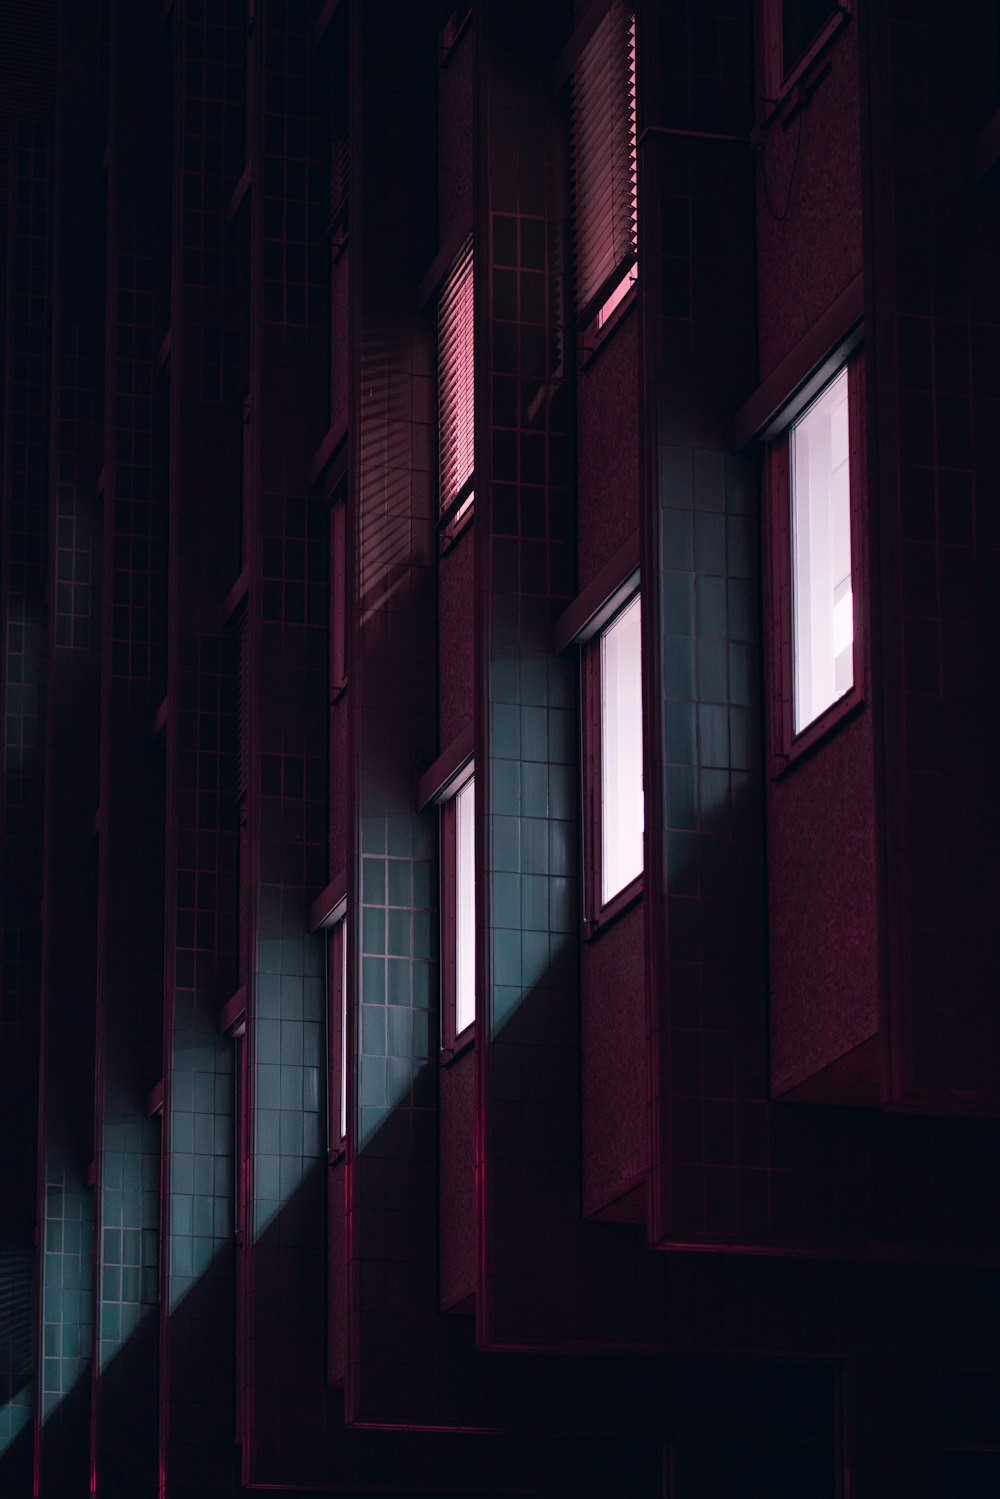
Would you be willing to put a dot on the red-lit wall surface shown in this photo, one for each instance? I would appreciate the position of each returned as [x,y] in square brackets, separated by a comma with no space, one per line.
[612,974]
[636,1160]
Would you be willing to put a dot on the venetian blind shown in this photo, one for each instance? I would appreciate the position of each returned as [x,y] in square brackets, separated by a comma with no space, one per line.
[604,184]
[456,455]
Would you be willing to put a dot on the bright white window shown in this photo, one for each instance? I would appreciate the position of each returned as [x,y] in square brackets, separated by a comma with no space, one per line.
[338,1031]
[465,906]
[822,591]
[622,809]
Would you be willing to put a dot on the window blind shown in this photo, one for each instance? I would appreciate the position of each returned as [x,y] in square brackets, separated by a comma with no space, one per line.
[456,455]
[604,177]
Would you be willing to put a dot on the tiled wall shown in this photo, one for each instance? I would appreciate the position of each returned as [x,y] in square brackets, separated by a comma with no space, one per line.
[130,828]
[69,899]
[539,1267]
[23,539]
[205,43]
[288,654]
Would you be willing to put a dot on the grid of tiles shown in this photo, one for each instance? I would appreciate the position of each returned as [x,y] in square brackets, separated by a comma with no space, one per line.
[197,1367]
[287,647]
[66,1299]
[295,174]
[573,1282]
[730,1168]
[130,891]
[27,220]
[400,1365]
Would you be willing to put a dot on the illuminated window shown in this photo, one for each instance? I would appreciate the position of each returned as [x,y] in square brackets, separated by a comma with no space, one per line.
[613,720]
[458,909]
[822,574]
[604,167]
[338,1032]
[815,501]
[456,450]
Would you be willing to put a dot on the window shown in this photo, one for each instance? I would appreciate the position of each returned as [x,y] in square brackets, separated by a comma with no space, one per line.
[795,31]
[456,449]
[813,484]
[458,910]
[822,593]
[338,1033]
[604,168]
[613,770]
[338,597]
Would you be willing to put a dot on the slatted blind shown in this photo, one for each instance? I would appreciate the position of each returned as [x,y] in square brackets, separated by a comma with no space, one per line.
[242,706]
[604,183]
[456,455]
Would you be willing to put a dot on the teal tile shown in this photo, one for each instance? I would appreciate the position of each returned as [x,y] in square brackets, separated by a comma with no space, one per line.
[535,845]
[399,882]
[373,929]
[507,786]
[373,1030]
[399,933]
[713,684]
[506,899]
[373,882]
[373,980]
[534,914]
[535,790]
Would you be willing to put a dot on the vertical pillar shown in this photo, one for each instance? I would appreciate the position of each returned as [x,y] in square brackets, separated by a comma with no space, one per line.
[23,575]
[69,910]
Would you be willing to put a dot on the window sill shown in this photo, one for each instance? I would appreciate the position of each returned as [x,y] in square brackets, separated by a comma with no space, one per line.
[336,1153]
[822,729]
[795,92]
[456,518]
[593,926]
[462,1043]
[596,332]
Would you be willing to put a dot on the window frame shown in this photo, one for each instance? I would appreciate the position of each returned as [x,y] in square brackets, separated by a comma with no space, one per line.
[338,1030]
[598,912]
[453,1040]
[787,746]
[338,584]
[599,314]
[778,84]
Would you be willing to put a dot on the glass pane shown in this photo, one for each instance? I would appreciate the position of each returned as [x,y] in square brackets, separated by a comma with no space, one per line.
[801,23]
[822,594]
[622,812]
[343,1029]
[465,906]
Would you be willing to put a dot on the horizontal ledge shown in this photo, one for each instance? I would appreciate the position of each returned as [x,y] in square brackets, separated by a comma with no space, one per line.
[988,146]
[327,451]
[330,906]
[326,15]
[442,262]
[234,1012]
[235,597]
[830,339]
[594,606]
[238,194]
[436,780]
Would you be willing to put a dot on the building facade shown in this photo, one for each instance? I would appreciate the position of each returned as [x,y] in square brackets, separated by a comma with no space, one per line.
[499,573]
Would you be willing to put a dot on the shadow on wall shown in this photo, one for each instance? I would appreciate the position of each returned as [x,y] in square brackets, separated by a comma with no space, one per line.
[17,1300]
